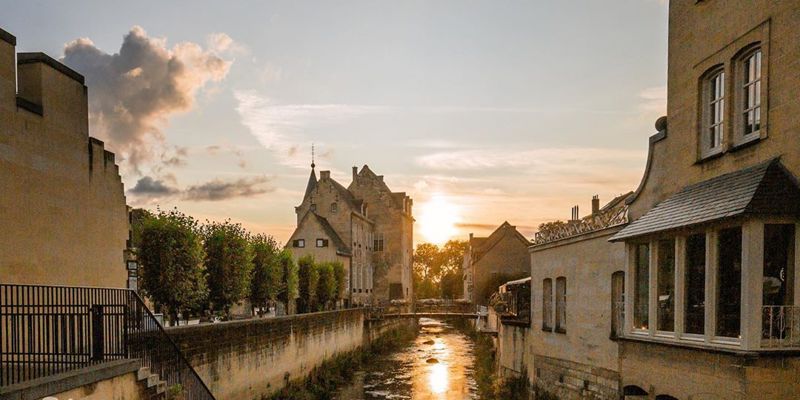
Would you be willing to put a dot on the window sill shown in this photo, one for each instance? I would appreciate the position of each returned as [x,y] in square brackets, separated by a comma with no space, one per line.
[561,331]
[747,141]
[547,329]
[711,155]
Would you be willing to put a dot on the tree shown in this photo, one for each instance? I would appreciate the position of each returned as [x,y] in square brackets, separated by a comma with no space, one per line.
[326,285]
[452,255]
[451,285]
[307,284]
[229,262]
[427,261]
[289,283]
[341,279]
[171,256]
[267,276]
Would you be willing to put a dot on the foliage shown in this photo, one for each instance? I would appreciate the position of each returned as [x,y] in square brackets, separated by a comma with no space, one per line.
[138,218]
[290,280]
[494,282]
[171,256]
[308,275]
[326,285]
[228,261]
[341,279]
[437,270]
[267,277]
[452,286]
[513,388]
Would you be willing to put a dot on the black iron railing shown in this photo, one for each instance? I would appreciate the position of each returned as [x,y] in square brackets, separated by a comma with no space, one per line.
[45,330]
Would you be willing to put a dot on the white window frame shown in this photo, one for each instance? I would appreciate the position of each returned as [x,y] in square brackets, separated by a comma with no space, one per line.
[712,134]
[749,76]
[300,243]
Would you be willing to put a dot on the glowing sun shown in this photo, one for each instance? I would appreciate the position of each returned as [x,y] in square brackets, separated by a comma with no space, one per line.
[438,218]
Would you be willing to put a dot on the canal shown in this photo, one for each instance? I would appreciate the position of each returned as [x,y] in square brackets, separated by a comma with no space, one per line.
[437,365]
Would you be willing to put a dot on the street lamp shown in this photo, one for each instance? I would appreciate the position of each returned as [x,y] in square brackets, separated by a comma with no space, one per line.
[132,266]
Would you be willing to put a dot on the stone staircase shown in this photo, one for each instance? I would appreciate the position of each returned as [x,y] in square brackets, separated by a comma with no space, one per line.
[154,388]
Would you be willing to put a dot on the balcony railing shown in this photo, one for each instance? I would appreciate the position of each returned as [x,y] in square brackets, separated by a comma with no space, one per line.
[46,330]
[780,327]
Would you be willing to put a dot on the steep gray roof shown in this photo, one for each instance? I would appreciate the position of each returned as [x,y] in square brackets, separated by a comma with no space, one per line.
[764,189]
[312,183]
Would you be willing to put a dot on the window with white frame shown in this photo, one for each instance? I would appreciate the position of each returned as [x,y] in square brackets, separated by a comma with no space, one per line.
[641,286]
[666,285]
[729,282]
[750,89]
[694,280]
[713,112]
[377,244]
[299,243]
[322,242]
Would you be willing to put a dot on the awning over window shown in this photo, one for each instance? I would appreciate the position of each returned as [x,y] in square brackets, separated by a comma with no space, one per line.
[764,189]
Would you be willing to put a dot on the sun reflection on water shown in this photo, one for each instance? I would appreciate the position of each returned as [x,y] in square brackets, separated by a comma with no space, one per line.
[439,378]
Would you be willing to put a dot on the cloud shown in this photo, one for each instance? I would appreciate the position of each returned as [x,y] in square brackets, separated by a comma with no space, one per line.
[217,190]
[150,187]
[279,128]
[151,190]
[134,91]
[654,99]
[539,160]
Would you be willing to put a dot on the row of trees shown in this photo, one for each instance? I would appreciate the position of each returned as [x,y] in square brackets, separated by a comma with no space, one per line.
[193,268]
[437,270]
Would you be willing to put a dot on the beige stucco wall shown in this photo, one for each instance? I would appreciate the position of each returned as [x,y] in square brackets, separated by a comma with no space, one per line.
[709,33]
[585,352]
[122,387]
[62,209]
[311,230]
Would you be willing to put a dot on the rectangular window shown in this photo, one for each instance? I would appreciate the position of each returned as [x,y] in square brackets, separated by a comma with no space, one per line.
[714,111]
[751,93]
[729,282]
[694,312]
[322,242]
[334,208]
[666,285]
[299,243]
[547,304]
[779,254]
[641,287]
[561,305]
[378,242]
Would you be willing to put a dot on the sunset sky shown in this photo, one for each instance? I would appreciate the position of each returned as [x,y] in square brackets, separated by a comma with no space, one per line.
[482,111]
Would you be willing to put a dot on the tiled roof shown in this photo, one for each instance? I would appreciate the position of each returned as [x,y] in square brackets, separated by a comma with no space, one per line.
[764,189]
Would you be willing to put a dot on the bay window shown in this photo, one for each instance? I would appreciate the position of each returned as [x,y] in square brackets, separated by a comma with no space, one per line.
[666,285]
[641,288]
[694,312]
[729,282]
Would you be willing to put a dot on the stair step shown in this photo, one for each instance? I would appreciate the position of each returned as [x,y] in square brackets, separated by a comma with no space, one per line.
[143,373]
[152,380]
[161,387]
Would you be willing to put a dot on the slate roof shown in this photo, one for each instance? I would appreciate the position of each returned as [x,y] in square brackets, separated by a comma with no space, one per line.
[341,247]
[484,245]
[764,189]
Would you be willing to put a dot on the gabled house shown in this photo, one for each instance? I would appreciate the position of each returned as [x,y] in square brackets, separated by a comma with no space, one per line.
[492,260]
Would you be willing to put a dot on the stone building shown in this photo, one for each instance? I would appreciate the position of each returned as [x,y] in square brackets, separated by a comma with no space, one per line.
[62,210]
[712,310]
[576,285]
[366,226]
[490,261]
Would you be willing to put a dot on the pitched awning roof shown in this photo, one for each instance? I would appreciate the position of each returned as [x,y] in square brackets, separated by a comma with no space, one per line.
[764,189]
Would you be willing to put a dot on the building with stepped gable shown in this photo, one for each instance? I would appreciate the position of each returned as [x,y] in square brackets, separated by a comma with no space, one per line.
[365,226]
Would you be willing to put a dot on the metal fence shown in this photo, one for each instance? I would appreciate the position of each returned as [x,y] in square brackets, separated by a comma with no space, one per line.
[45,330]
[780,326]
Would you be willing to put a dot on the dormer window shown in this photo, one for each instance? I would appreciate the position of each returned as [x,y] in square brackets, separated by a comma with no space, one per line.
[713,113]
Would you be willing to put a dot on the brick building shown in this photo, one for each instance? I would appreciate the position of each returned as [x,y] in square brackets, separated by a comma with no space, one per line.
[366,226]
[62,210]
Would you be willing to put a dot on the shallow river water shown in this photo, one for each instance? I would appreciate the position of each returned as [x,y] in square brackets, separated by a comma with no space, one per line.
[437,365]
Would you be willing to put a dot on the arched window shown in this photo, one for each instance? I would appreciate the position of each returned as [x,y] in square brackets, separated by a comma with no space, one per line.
[617,303]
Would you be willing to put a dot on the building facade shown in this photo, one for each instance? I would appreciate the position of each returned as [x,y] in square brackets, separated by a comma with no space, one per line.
[493,260]
[62,210]
[366,227]
[712,310]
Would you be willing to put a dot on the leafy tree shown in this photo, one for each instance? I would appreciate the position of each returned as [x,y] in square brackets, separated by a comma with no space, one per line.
[452,255]
[229,262]
[424,288]
[427,261]
[341,279]
[326,285]
[171,256]
[307,284]
[289,283]
[138,218]
[267,277]
[451,285]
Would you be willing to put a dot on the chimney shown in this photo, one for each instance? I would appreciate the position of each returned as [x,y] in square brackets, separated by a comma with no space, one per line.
[324,174]
[575,213]
[595,204]
[355,172]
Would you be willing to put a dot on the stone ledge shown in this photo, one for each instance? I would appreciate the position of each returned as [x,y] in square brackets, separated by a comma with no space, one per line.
[38,388]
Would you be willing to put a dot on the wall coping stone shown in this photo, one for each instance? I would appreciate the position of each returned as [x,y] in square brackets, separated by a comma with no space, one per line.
[225,325]
[38,388]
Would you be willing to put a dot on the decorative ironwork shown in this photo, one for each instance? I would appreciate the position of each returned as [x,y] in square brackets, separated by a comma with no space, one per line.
[559,230]
[45,330]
